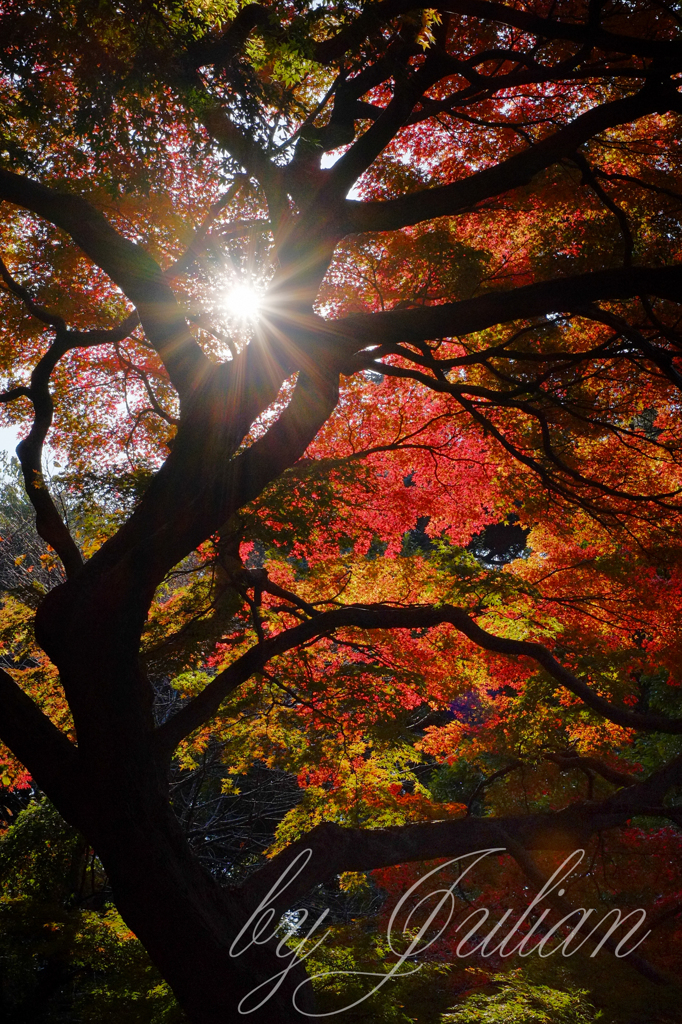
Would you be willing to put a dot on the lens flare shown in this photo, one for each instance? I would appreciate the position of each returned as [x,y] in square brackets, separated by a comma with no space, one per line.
[242,302]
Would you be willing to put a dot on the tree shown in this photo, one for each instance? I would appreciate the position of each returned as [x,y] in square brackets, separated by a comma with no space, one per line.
[466,218]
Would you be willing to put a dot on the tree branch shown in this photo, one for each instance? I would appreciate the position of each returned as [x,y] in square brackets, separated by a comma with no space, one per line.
[72,339]
[167,525]
[592,35]
[38,311]
[668,52]
[206,704]
[386,126]
[221,52]
[660,357]
[49,524]
[129,267]
[45,751]
[336,849]
[566,762]
[517,170]
[562,905]
[197,242]
[562,295]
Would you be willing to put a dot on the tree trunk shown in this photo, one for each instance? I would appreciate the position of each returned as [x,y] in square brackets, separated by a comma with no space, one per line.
[188,923]
[185,920]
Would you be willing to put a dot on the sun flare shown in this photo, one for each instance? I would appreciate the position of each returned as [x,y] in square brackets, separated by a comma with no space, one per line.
[243,302]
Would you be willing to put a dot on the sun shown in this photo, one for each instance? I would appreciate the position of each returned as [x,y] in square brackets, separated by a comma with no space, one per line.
[243,302]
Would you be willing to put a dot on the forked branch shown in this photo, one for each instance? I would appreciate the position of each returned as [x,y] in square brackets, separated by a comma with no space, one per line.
[336,849]
[128,266]
[517,170]
[49,524]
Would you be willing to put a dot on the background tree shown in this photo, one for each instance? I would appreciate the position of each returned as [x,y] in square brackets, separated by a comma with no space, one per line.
[459,224]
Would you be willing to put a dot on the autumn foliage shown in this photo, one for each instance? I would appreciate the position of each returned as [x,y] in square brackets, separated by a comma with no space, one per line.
[343,341]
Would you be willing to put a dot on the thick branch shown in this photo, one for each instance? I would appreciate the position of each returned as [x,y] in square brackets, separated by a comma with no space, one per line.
[333,49]
[562,905]
[13,394]
[668,52]
[562,295]
[49,523]
[517,170]
[224,50]
[329,51]
[368,147]
[46,316]
[102,335]
[70,339]
[45,751]
[129,267]
[568,761]
[336,849]
[237,142]
[167,524]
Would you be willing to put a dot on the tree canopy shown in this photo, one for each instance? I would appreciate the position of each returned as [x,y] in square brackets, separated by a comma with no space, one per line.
[353,332]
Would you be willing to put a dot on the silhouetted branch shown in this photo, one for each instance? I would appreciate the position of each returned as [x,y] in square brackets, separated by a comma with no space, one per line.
[206,704]
[128,265]
[336,849]
[517,170]
[37,742]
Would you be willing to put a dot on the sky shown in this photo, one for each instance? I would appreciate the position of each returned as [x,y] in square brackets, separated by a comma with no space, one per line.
[9,438]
